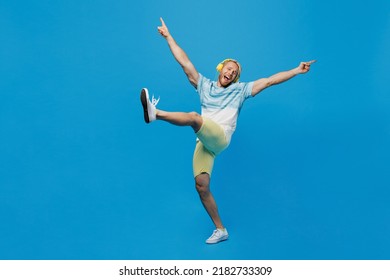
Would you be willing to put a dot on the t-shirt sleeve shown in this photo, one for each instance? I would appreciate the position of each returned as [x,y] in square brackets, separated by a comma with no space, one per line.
[248,90]
[204,85]
[199,87]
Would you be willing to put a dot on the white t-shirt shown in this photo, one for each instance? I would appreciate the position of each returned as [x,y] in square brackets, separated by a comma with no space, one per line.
[223,105]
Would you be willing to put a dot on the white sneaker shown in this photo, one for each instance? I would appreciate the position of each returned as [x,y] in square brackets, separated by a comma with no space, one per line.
[149,107]
[218,236]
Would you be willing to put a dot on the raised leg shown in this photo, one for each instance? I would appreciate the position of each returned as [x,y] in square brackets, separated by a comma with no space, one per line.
[192,119]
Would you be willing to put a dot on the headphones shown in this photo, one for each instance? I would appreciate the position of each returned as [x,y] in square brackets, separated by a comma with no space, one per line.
[222,63]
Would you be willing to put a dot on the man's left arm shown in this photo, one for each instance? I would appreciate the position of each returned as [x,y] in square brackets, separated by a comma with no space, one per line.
[263,83]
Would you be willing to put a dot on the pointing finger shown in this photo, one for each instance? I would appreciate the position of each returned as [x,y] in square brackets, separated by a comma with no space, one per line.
[162,21]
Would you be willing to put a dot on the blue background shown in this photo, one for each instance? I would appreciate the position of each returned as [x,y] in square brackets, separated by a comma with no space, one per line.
[83,177]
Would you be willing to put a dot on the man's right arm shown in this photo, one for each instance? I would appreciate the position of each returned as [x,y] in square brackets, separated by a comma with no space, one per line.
[180,56]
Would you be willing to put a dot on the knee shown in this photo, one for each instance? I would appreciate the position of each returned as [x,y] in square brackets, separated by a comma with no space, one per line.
[195,116]
[202,184]
[196,120]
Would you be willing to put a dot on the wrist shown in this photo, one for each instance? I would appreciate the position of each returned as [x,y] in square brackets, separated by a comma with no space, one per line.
[296,71]
[169,37]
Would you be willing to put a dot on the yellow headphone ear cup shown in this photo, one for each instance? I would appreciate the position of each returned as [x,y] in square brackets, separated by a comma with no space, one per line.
[219,67]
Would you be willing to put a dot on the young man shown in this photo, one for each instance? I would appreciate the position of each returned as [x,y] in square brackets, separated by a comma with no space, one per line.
[221,102]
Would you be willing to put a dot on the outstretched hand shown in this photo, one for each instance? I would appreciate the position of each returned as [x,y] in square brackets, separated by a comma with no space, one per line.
[163,29]
[304,67]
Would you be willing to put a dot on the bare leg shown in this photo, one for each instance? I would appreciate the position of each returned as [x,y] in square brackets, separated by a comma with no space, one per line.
[192,119]
[202,183]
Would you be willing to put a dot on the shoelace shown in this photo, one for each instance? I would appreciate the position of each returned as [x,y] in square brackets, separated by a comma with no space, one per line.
[155,101]
[216,233]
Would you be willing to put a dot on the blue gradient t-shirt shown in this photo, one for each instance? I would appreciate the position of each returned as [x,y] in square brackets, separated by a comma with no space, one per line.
[223,105]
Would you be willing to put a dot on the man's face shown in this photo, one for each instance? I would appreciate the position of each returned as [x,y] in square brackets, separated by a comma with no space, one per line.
[228,73]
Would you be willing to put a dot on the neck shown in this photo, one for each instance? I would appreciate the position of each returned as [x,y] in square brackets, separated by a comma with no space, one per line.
[219,85]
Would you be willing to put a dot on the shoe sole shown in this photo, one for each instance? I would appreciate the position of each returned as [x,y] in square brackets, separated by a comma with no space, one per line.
[144,101]
[220,240]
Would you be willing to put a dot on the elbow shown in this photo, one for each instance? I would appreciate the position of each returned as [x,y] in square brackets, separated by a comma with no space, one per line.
[269,82]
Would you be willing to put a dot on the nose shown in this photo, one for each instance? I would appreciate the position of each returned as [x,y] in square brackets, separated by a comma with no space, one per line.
[233,73]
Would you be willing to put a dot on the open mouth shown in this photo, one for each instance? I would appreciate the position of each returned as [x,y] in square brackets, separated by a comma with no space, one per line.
[227,78]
